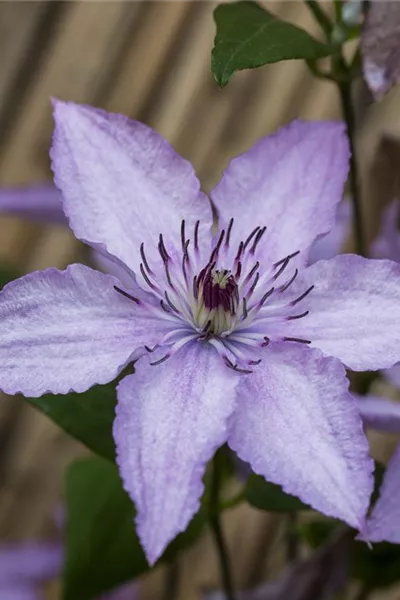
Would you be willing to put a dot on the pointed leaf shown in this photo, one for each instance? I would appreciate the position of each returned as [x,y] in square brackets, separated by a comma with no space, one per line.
[102,548]
[87,417]
[249,36]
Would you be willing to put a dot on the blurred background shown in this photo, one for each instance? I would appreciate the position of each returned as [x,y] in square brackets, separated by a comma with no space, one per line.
[151,61]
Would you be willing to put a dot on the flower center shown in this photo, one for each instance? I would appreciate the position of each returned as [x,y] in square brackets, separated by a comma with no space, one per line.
[232,302]
[217,300]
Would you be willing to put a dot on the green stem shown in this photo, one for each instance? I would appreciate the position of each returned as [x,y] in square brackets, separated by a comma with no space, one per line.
[348,113]
[320,16]
[215,523]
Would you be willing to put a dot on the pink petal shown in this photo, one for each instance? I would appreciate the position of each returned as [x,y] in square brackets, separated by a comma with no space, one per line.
[379,413]
[380,45]
[297,425]
[170,420]
[123,184]
[37,202]
[67,330]
[292,182]
[354,310]
[384,523]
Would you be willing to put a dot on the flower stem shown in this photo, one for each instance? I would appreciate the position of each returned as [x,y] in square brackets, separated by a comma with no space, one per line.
[348,113]
[215,523]
[320,16]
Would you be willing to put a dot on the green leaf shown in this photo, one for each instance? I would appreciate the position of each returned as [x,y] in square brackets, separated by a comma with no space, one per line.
[249,36]
[268,496]
[377,567]
[88,417]
[102,548]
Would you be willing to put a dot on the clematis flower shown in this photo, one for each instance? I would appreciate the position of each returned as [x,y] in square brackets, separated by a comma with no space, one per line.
[36,202]
[235,339]
[384,522]
[26,566]
[322,575]
[387,245]
[380,45]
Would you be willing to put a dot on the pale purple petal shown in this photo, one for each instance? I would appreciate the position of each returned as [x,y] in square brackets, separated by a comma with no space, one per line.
[354,310]
[393,375]
[387,244]
[379,413]
[384,523]
[123,184]
[37,202]
[67,330]
[380,45]
[25,562]
[170,420]
[330,244]
[297,425]
[291,182]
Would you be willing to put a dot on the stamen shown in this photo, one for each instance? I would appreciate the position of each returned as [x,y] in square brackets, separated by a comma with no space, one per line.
[162,249]
[158,362]
[150,349]
[165,309]
[228,233]
[195,288]
[266,295]
[284,287]
[289,256]
[299,340]
[214,253]
[300,298]
[244,313]
[293,317]
[238,270]
[170,303]
[147,280]
[266,342]
[144,259]
[253,233]
[183,237]
[254,284]
[234,367]
[253,270]
[117,289]
[255,362]
[239,252]
[258,238]
[196,236]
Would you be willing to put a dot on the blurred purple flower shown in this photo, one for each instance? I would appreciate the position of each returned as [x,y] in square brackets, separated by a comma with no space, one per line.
[26,566]
[384,521]
[36,202]
[387,245]
[380,45]
[322,576]
[213,310]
